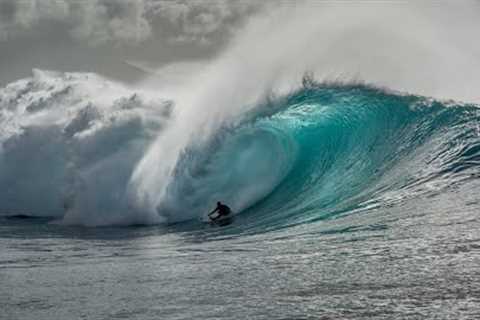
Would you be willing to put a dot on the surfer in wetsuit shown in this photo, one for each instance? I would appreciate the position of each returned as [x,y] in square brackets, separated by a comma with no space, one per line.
[222,209]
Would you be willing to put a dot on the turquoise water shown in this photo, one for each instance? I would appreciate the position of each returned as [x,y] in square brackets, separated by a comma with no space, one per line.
[355,203]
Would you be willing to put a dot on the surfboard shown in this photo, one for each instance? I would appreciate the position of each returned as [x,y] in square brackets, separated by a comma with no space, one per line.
[223,221]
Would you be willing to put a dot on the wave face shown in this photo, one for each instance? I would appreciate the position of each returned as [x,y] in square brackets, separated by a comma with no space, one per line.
[321,151]
[326,150]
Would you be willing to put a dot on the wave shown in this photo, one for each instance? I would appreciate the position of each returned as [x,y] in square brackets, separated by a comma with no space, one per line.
[71,144]
[327,149]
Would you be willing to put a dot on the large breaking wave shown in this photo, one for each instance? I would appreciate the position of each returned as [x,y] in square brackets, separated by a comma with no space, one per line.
[242,129]
[79,148]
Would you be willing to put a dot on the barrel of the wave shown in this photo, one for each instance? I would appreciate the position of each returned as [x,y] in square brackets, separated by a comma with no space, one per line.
[357,147]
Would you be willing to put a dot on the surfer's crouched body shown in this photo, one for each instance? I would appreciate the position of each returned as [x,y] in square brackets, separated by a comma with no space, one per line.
[222,209]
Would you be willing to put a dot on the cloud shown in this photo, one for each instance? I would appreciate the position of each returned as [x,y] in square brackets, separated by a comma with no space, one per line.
[130,22]
[199,21]
[107,21]
[95,21]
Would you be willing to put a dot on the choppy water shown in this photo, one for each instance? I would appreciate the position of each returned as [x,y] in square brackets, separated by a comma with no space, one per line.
[418,260]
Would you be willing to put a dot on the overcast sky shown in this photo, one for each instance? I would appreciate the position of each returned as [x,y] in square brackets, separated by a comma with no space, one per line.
[110,37]
[424,47]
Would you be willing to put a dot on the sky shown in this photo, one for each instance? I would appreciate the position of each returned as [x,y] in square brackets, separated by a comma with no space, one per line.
[115,38]
[422,47]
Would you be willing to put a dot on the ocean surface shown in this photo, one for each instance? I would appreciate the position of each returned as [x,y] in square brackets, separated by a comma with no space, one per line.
[350,202]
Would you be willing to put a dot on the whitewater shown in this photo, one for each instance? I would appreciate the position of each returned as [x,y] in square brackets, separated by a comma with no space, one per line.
[354,187]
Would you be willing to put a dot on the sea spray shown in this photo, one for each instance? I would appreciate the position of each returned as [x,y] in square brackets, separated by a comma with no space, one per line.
[69,142]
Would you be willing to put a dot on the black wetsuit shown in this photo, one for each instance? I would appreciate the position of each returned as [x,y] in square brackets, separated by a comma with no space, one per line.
[223,210]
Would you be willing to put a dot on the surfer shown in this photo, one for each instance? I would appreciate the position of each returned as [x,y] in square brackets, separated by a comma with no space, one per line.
[222,209]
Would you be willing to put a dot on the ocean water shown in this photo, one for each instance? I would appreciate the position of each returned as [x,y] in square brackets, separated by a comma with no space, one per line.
[350,202]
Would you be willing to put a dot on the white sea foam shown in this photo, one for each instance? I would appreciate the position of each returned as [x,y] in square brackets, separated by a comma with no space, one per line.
[69,142]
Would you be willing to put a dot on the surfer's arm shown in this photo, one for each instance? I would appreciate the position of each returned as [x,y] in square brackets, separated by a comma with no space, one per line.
[214,210]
